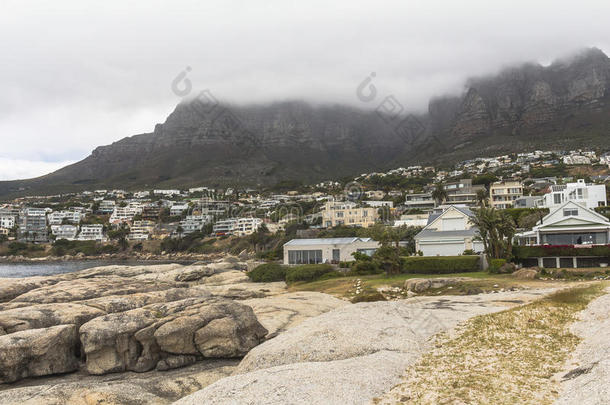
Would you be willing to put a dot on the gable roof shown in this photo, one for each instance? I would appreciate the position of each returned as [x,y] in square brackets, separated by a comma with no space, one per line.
[573,203]
[464,210]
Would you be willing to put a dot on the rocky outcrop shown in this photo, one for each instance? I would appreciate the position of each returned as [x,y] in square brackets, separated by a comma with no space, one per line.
[128,318]
[137,340]
[527,273]
[141,318]
[419,285]
[38,352]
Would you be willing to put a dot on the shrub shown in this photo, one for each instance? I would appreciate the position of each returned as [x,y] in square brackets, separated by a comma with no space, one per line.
[332,274]
[363,268]
[439,264]
[495,264]
[345,265]
[468,252]
[524,252]
[268,272]
[307,272]
[368,297]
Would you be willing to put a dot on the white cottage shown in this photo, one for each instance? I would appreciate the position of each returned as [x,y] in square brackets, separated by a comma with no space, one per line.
[449,232]
[326,250]
[569,224]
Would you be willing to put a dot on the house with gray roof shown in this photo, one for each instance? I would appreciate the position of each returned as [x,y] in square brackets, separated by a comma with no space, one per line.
[449,232]
[326,250]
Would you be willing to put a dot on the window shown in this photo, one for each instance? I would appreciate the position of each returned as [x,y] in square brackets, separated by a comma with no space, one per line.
[365,213]
[339,214]
[557,198]
[570,212]
[304,256]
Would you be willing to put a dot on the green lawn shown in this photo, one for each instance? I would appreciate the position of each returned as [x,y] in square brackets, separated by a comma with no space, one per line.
[344,286]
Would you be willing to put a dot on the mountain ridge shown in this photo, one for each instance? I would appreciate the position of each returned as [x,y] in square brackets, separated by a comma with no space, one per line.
[565,104]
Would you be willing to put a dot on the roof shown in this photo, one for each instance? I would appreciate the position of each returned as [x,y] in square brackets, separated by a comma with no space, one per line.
[463,209]
[427,233]
[326,241]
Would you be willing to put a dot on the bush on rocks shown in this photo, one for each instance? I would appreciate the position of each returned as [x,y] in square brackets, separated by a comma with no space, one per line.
[307,272]
[368,297]
[268,272]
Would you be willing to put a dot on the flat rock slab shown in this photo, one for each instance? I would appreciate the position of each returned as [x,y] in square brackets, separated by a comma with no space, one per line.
[353,381]
[155,387]
[365,328]
[586,379]
[284,311]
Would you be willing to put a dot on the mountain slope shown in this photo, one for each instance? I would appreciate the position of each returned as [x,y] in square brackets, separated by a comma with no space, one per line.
[566,104]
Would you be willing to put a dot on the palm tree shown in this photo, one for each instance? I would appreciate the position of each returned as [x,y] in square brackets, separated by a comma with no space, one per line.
[439,193]
[496,230]
[482,198]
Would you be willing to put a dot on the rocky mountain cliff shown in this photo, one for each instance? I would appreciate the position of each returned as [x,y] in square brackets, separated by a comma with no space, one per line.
[562,105]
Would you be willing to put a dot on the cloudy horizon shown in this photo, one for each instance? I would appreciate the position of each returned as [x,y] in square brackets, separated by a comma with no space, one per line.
[84,74]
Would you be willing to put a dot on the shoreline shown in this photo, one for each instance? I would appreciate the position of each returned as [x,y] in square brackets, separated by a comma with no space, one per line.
[153,258]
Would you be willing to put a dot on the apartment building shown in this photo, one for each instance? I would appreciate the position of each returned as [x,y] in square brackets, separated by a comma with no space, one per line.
[195,223]
[92,232]
[178,209]
[124,214]
[337,213]
[422,201]
[502,194]
[588,195]
[237,226]
[33,225]
[58,217]
[67,232]
[106,207]
[141,230]
[462,192]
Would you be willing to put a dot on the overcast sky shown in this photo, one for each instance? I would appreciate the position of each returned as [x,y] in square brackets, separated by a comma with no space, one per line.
[78,74]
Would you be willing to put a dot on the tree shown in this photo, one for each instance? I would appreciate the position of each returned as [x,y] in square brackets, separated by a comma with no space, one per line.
[482,198]
[388,257]
[496,230]
[439,193]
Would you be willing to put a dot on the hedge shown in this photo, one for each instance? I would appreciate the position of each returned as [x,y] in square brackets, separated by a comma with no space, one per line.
[364,268]
[268,272]
[524,252]
[439,264]
[307,272]
[495,264]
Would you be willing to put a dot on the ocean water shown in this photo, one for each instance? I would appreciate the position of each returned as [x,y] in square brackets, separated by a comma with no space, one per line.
[14,270]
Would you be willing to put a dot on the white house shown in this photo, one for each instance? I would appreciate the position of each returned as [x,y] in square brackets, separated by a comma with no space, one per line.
[195,223]
[92,232]
[326,250]
[569,224]
[177,209]
[588,195]
[7,221]
[449,232]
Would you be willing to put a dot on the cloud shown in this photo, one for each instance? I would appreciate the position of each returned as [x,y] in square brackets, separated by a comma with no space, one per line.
[79,74]
[15,169]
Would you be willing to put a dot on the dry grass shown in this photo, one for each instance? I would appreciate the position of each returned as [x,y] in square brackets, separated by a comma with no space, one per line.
[507,357]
